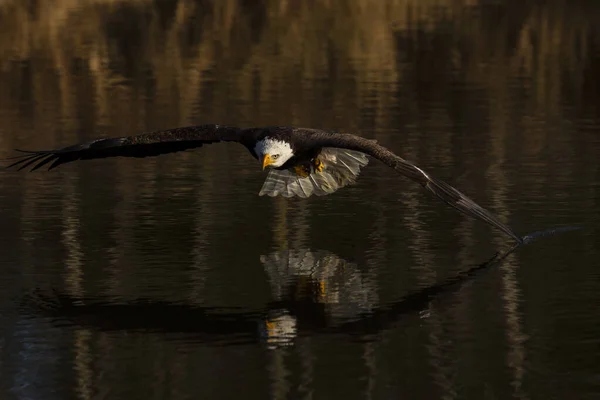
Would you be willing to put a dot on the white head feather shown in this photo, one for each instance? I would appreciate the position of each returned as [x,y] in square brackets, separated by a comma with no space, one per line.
[278,150]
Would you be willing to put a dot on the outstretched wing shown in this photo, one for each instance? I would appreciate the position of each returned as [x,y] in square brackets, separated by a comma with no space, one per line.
[441,189]
[340,168]
[144,145]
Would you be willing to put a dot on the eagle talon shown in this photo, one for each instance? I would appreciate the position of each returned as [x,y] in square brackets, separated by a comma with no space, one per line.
[322,289]
[319,166]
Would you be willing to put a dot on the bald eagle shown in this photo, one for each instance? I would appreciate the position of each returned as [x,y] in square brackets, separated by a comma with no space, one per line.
[300,161]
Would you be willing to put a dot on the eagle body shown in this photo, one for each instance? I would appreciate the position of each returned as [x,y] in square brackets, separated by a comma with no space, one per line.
[301,162]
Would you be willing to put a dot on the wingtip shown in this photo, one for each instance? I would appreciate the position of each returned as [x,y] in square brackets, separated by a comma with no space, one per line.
[31,151]
[36,159]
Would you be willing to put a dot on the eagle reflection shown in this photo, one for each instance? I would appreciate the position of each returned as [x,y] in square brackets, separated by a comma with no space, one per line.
[313,293]
[312,290]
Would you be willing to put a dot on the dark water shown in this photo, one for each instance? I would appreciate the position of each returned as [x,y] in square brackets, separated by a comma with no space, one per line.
[171,278]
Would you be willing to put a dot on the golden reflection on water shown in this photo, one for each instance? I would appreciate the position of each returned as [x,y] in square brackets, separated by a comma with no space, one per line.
[74,281]
[511,295]
[68,36]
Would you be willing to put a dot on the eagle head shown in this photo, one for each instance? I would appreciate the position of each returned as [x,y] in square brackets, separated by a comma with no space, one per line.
[273,153]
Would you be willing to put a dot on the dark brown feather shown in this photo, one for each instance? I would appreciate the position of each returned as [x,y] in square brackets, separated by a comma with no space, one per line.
[144,145]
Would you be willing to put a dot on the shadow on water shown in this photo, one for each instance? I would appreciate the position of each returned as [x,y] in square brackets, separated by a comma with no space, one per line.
[313,293]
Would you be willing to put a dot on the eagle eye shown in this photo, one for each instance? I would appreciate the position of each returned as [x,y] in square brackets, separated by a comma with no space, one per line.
[275,156]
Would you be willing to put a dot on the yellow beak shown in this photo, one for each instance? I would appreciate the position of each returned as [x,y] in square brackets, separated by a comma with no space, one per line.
[266,161]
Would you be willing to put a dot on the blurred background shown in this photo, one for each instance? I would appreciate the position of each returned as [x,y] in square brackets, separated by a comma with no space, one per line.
[171,278]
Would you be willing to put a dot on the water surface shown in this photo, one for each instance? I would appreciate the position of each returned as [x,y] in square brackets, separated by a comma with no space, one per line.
[171,278]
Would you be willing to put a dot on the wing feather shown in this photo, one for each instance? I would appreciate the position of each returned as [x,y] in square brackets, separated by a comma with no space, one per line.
[447,193]
[144,145]
[345,163]
[341,167]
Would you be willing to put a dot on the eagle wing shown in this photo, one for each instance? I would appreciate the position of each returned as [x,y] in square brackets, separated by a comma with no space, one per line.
[441,189]
[143,145]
